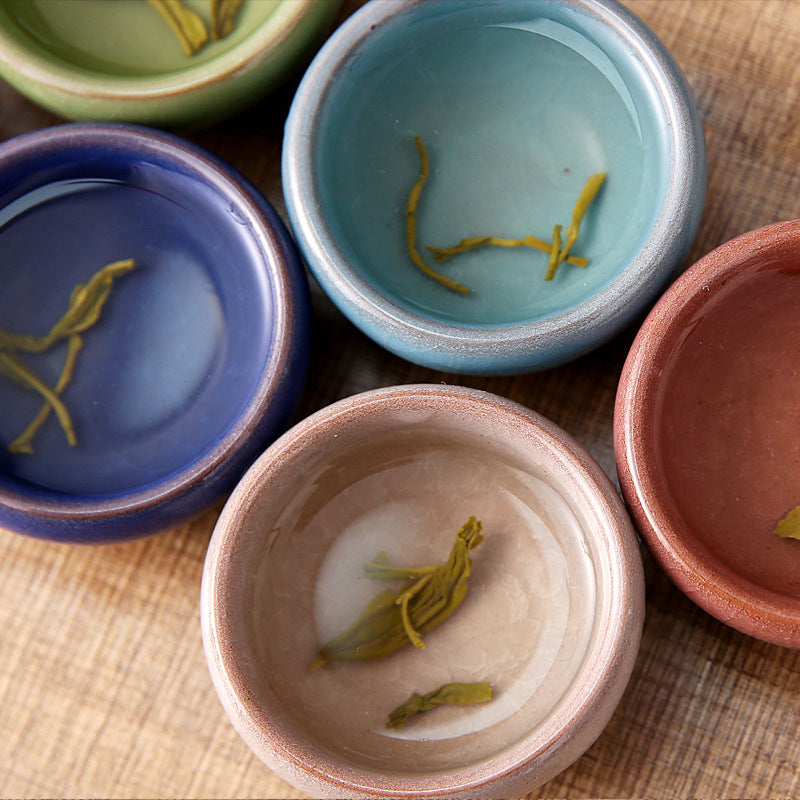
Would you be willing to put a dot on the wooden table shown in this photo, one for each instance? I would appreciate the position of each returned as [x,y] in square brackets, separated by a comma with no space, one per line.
[103,684]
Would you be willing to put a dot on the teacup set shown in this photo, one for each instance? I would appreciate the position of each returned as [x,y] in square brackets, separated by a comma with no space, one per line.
[482,188]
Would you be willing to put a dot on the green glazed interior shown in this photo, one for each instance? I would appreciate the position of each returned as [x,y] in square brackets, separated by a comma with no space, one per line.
[120,61]
[122,37]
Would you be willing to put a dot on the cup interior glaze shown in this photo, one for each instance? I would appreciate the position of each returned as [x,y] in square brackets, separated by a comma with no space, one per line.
[552,617]
[516,104]
[198,353]
[706,432]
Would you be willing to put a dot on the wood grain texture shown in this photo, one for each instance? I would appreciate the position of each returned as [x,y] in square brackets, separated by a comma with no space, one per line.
[103,686]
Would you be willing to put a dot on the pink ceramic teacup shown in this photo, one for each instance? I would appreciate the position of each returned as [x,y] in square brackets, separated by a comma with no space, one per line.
[551,618]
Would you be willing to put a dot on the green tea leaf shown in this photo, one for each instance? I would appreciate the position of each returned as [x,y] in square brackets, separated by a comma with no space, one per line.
[12,367]
[22,444]
[87,301]
[187,25]
[472,242]
[558,251]
[411,224]
[381,569]
[393,619]
[85,305]
[22,341]
[555,252]
[585,199]
[449,694]
[222,16]
[789,526]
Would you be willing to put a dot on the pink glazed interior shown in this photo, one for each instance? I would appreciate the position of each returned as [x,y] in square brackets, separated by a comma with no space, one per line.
[708,431]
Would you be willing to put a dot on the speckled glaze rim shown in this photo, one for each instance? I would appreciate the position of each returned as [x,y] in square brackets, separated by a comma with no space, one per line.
[126,515]
[587,706]
[693,567]
[517,348]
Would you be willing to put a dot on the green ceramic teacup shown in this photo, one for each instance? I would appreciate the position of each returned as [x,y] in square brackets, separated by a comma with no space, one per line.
[91,59]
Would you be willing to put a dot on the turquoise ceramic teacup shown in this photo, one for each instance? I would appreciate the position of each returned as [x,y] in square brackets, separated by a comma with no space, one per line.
[437,125]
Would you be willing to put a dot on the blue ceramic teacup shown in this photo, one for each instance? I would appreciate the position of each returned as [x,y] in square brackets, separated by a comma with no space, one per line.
[197,353]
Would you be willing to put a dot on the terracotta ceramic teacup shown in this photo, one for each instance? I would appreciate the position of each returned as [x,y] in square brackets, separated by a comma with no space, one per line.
[707,432]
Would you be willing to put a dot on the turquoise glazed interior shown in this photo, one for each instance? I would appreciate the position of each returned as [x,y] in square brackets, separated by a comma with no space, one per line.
[511,142]
[516,104]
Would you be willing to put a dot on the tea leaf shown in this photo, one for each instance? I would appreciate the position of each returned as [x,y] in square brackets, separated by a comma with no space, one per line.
[22,341]
[222,16]
[443,253]
[393,619]
[555,251]
[411,224]
[187,25]
[85,305]
[585,198]
[13,368]
[87,301]
[448,694]
[22,444]
[380,569]
[789,526]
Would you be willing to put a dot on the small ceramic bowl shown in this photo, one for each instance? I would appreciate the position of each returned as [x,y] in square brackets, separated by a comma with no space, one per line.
[707,437]
[551,618]
[88,60]
[188,369]
[513,104]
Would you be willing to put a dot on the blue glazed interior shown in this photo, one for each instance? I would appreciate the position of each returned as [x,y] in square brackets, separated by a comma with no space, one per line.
[517,104]
[182,342]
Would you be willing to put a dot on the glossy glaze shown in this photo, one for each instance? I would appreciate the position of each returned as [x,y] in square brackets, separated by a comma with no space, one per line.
[510,144]
[94,60]
[496,92]
[705,432]
[552,617]
[199,354]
